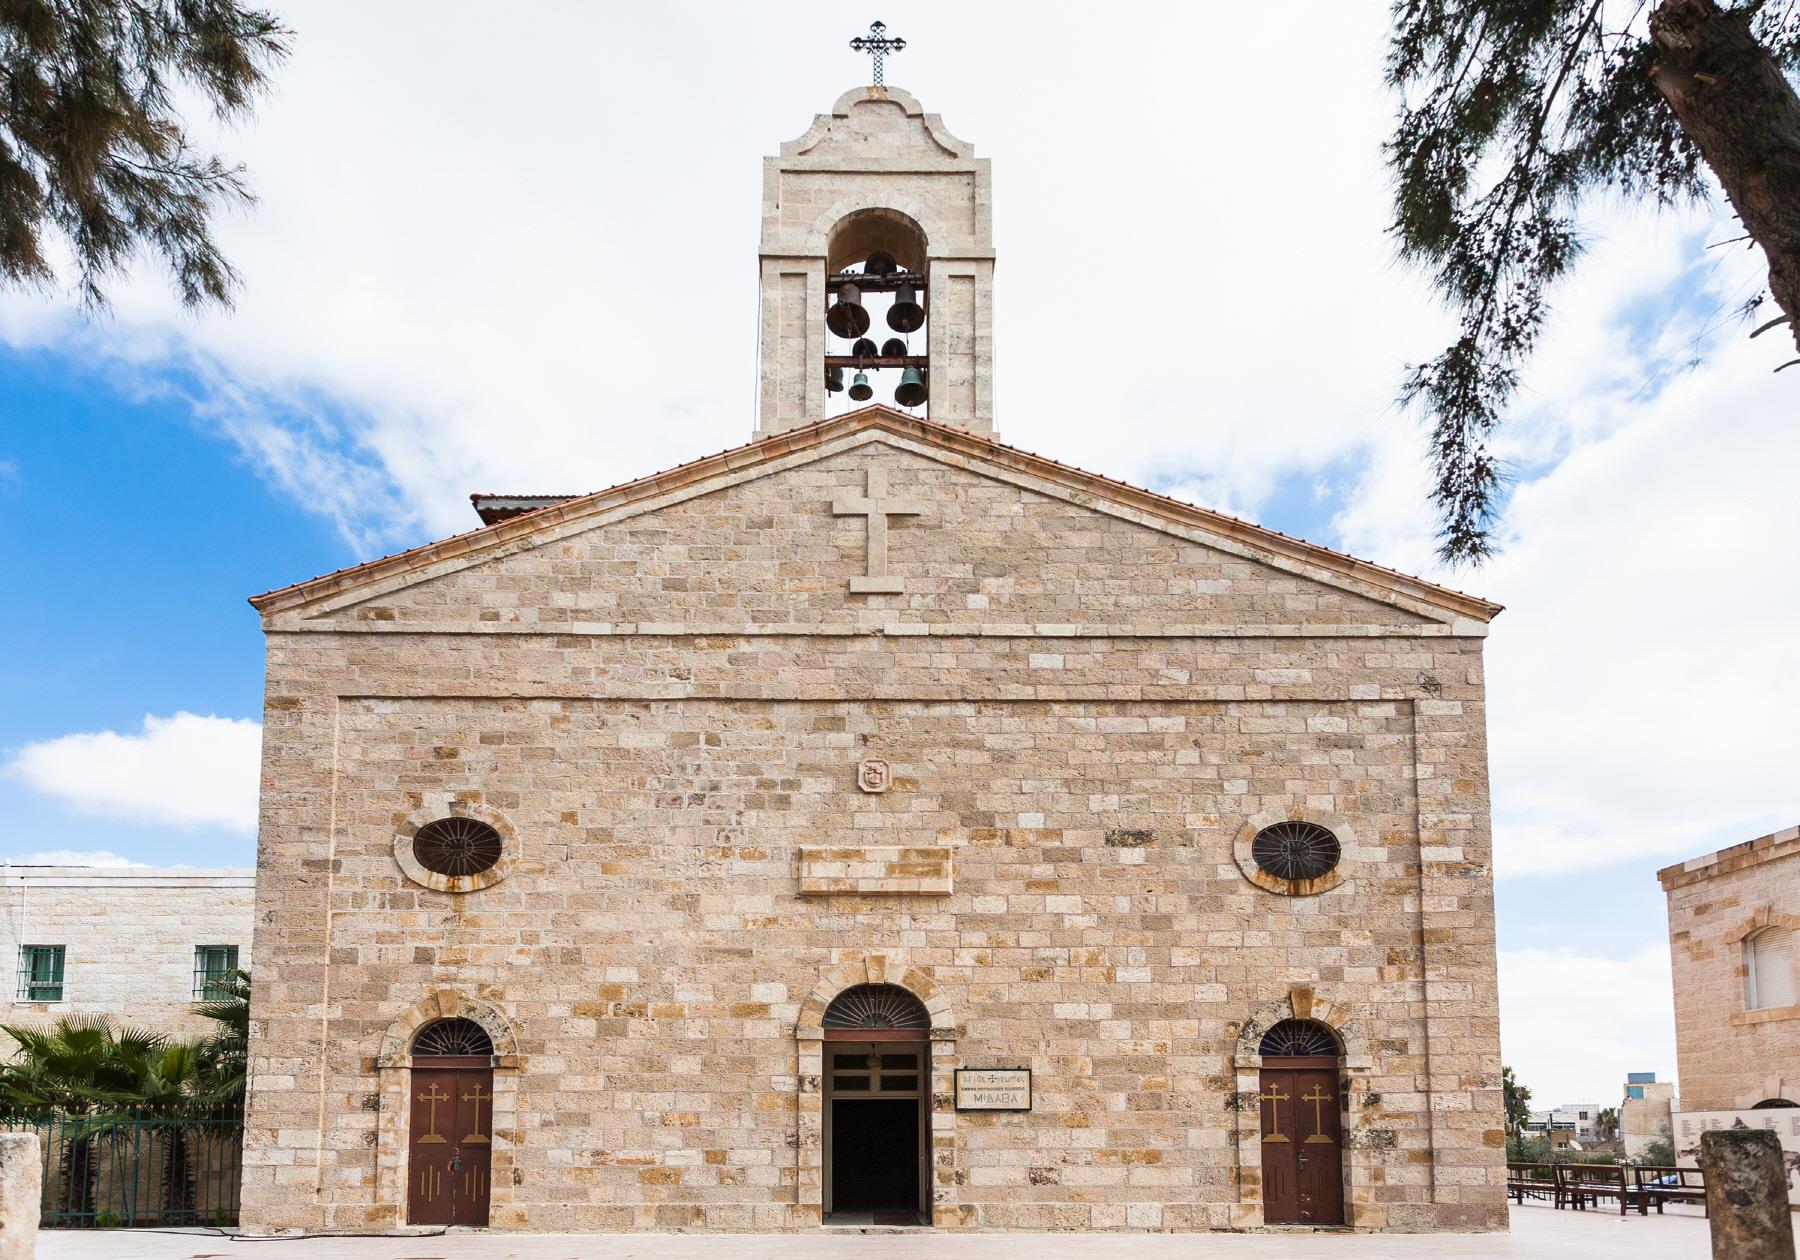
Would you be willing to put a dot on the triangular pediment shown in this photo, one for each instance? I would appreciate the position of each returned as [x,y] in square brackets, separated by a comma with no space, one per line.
[980,538]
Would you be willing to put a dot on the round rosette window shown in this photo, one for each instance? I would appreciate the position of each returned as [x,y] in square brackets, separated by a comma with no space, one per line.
[457,846]
[1297,857]
[458,852]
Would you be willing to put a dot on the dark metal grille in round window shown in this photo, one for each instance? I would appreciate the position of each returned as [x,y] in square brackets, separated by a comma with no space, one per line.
[1295,850]
[452,1037]
[456,846]
[876,1006]
[1293,1038]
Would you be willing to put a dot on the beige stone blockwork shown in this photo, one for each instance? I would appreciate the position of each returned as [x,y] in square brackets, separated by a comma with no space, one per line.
[1732,1057]
[875,869]
[1080,704]
[129,935]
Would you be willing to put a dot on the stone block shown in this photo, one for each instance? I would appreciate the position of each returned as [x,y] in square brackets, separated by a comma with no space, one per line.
[21,1190]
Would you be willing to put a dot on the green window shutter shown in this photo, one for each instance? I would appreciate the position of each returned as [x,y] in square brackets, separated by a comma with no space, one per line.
[41,973]
[213,965]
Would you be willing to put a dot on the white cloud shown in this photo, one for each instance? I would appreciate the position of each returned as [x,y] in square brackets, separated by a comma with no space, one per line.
[546,283]
[1572,1025]
[1643,680]
[70,857]
[186,770]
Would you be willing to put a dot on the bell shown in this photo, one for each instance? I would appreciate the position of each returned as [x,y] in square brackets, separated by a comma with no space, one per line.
[834,380]
[847,316]
[881,263]
[865,349]
[912,388]
[859,388]
[893,348]
[906,315]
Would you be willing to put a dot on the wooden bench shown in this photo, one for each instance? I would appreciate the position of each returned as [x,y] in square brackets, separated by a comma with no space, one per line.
[1536,1180]
[1689,1186]
[1590,1183]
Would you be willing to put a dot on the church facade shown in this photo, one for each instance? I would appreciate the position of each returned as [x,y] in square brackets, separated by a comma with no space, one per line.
[874,825]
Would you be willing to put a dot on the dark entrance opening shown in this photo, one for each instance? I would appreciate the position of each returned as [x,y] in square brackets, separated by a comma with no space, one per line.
[877,1086]
[875,1155]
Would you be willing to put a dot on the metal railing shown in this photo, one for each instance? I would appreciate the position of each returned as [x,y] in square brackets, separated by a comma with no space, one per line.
[136,1168]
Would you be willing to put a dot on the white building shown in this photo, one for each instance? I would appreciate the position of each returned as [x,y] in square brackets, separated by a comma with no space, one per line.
[1579,1119]
[137,943]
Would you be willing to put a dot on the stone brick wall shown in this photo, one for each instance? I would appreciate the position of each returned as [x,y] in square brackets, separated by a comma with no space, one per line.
[668,709]
[130,934]
[1730,1057]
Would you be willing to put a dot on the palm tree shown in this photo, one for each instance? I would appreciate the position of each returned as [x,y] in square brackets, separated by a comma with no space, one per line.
[68,1068]
[167,1077]
[97,1080]
[225,1054]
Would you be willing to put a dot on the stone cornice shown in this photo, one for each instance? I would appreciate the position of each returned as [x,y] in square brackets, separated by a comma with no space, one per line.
[1779,844]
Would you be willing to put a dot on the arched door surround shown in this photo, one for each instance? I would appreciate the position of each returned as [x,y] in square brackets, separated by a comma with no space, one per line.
[1351,1065]
[428,1049]
[884,1028]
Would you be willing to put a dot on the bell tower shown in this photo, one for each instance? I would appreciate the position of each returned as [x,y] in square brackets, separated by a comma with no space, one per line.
[877,266]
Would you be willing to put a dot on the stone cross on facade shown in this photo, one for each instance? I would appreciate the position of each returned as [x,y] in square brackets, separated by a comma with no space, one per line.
[877,507]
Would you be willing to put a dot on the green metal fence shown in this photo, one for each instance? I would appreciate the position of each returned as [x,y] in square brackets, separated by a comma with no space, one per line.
[137,1168]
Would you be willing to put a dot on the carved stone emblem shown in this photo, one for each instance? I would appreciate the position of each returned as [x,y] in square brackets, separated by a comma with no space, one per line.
[873,775]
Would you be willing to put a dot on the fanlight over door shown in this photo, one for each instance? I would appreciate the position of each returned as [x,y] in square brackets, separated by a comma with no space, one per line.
[452,1038]
[1298,1038]
[876,1012]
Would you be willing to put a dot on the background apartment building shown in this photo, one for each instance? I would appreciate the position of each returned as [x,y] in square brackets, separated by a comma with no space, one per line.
[140,944]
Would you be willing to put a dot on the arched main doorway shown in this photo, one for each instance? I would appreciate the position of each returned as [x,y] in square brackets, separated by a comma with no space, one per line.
[877,1093]
[1302,1125]
[450,1145]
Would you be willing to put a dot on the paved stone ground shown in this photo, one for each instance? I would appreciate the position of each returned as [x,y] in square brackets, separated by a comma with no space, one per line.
[1538,1233]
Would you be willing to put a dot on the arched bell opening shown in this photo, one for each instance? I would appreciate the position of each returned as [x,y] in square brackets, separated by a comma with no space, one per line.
[877,1105]
[877,229]
[1302,1106]
[875,318]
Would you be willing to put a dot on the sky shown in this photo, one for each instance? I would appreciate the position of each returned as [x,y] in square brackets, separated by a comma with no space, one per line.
[521,259]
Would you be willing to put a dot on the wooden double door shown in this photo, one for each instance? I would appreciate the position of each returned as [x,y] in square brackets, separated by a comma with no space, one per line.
[1302,1142]
[450,1144]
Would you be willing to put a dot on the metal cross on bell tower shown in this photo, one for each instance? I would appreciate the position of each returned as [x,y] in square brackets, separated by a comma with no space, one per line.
[877,45]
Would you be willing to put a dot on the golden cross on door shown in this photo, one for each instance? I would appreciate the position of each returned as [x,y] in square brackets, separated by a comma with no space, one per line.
[1274,1098]
[877,507]
[477,1138]
[433,1097]
[1317,1098]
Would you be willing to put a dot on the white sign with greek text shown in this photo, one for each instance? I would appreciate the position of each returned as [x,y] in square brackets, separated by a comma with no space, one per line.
[993,1089]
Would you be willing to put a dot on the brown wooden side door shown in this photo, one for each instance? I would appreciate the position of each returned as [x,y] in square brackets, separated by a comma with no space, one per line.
[449,1155]
[1302,1142]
